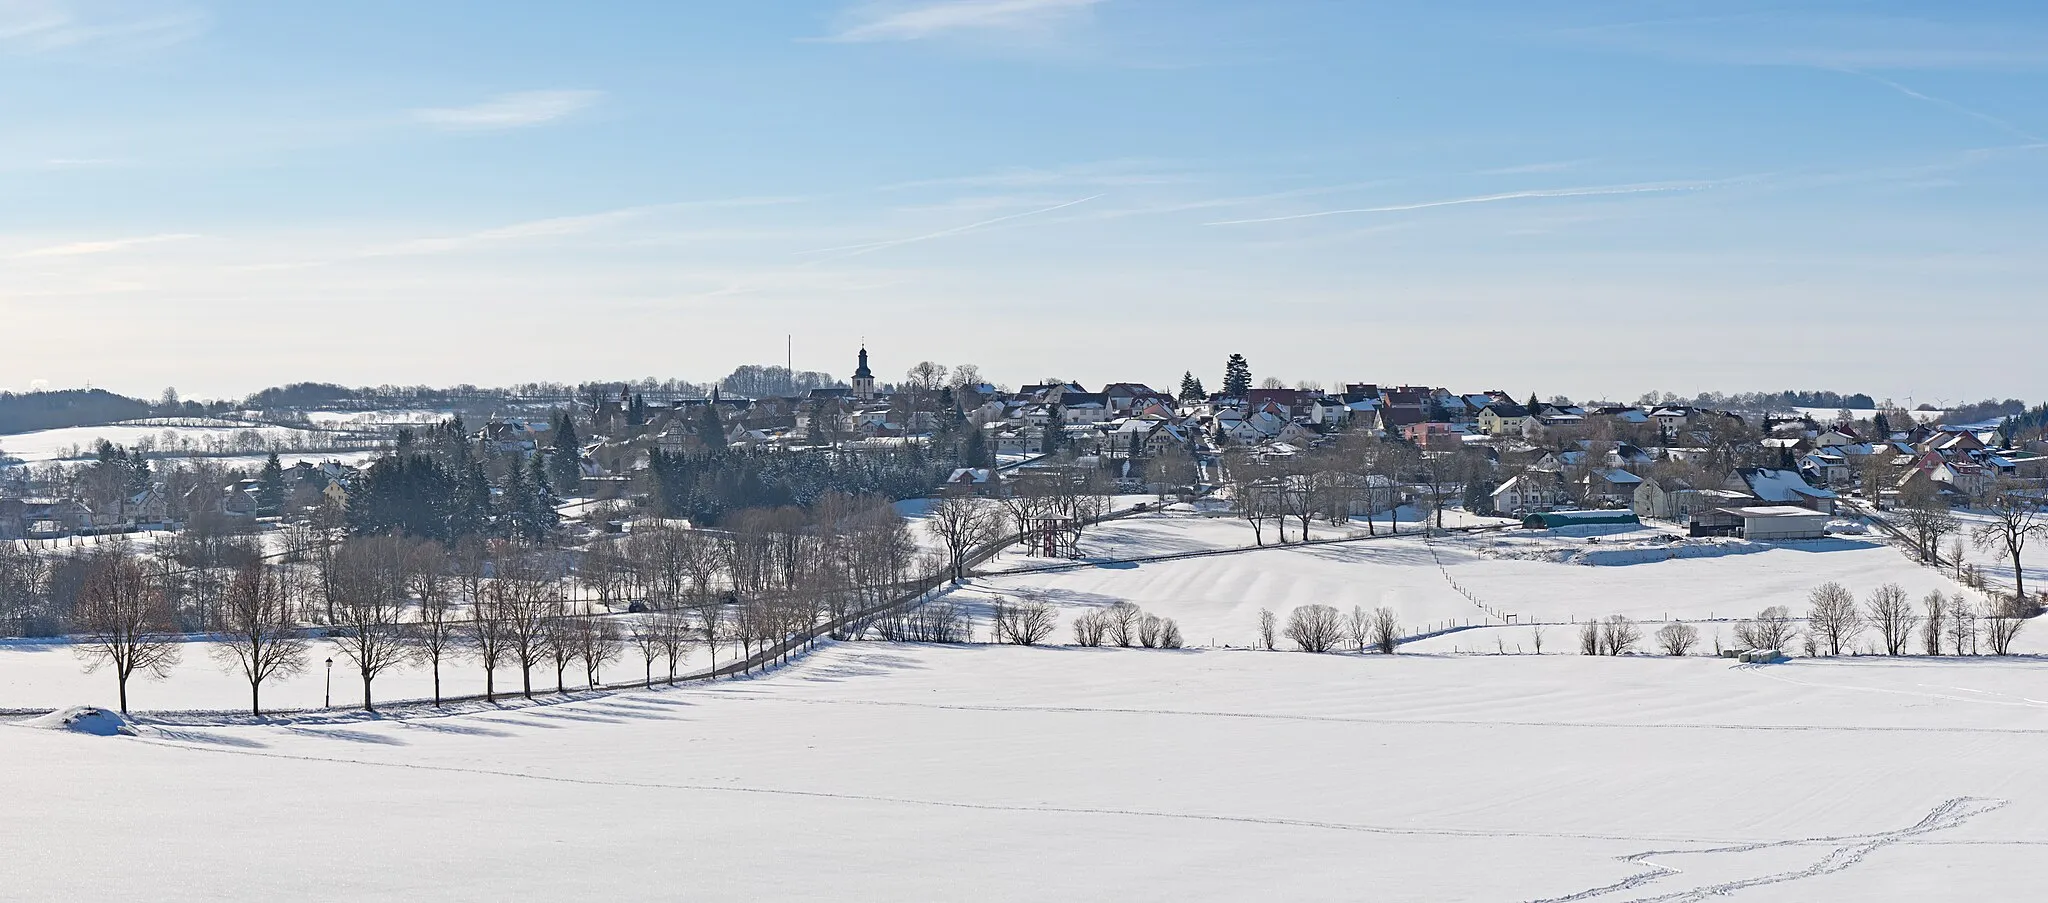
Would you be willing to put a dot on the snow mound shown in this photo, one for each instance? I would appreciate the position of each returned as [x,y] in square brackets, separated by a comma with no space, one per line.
[84,719]
[1848,527]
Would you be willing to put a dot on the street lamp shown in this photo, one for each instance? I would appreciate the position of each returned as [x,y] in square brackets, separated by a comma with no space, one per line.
[329,701]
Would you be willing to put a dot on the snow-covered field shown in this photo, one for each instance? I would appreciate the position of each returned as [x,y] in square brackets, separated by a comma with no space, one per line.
[1993,561]
[889,772]
[1535,576]
[225,442]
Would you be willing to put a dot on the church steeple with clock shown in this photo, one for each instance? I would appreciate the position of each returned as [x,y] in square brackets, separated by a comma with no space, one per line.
[863,378]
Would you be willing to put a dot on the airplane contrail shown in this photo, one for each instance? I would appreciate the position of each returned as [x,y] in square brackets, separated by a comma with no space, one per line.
[1482,199]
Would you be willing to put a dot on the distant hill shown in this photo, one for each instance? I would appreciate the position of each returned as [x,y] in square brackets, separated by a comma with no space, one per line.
[66,407]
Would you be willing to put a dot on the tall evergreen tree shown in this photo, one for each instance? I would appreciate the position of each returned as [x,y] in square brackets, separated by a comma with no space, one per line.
[636,412]
[1055,428]
[1191,389]
[543,500]
[1237,376]
[564,467]
[974,451]
[469,514]
[710,428]
[270,489]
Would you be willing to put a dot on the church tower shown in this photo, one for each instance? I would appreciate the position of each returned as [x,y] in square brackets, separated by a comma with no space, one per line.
[863,378]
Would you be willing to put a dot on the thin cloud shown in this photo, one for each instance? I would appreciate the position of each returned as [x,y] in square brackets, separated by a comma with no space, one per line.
[845,251]
[83,248]
[552,227]
[916,22]
[1532,168]
[518,109]
[106,27]
[563,226]
[1987,118]
[1481,199]
[1820,40]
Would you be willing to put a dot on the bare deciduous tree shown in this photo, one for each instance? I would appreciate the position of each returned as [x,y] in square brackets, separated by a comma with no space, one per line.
[1169,634]
[1267,628]
[1833,617]
[1148,631]
[1772,629]
[1023,623]
[1589,638]
[1386,630]
[259,638]
[2002,624]
[962,524]
[1358,627]
[434,625]
[2017,515]
[1089,629]
[1618,634]
[1315,628]
[368,633]
[647,635]
[125,622]
[675,639]
[1935,606]
[1536,636]
[1677,639]
[1962,624]
[599,642]
[1891,612]
[1122,620]
[1926,517]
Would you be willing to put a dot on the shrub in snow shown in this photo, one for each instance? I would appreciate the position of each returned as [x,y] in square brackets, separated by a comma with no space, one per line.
[1677,639]
[1315,628]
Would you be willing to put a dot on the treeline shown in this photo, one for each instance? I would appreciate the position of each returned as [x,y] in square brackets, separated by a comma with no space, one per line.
[751,380]
[1989,409]
[21,413]
[390,600]
[706,486]
[1765,401]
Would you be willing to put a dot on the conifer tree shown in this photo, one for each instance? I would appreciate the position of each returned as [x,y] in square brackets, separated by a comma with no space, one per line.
[974,452]
[540,515]
[711,429]
[270,491]
[564,467]
[1237,376]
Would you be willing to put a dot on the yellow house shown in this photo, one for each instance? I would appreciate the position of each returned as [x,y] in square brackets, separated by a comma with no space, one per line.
[1503,419]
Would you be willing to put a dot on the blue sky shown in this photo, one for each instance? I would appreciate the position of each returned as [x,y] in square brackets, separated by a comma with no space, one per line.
[1593,199]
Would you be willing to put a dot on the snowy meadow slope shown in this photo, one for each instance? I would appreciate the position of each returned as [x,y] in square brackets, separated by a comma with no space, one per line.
[879,771]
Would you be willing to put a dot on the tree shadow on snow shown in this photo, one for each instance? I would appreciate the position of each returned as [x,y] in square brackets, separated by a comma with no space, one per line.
[186,735]
[335,733]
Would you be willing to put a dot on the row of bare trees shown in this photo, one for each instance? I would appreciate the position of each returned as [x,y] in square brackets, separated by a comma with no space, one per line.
[1322,628]
[1124,624]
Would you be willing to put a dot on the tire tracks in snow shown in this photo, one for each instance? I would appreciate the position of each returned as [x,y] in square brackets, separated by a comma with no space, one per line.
[1847,852]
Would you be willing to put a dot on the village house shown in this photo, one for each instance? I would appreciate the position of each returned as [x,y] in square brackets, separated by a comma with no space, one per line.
[1527,492]
[1782,487]
[1503,418]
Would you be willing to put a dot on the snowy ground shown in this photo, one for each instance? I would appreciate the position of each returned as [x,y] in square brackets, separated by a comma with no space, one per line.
[884,772]
[47,445]
[1993,561]
[1537,576]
